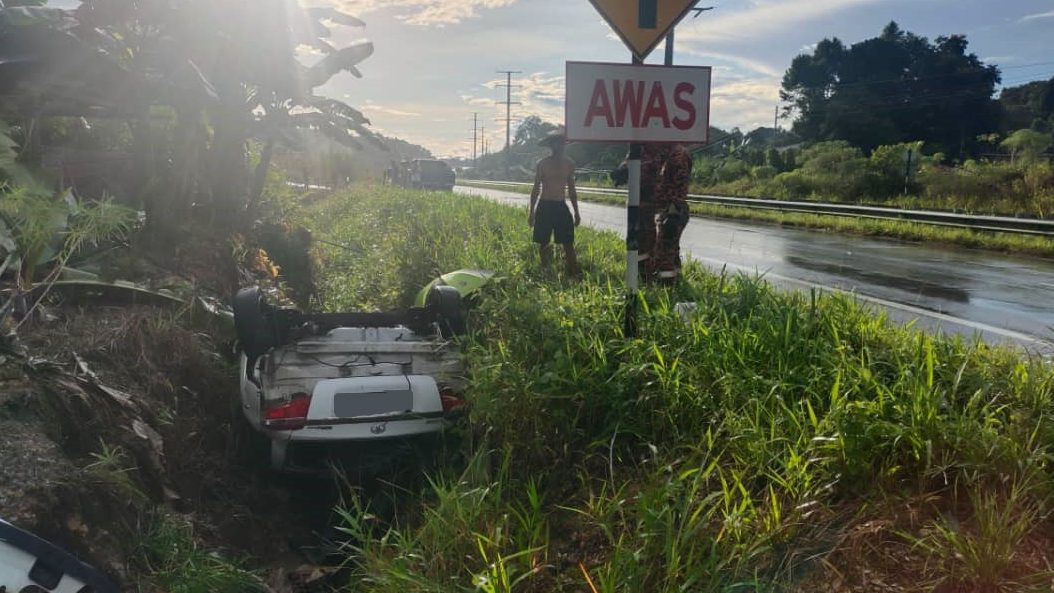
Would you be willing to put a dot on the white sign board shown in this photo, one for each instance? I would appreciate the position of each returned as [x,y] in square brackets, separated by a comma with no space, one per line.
[637,103]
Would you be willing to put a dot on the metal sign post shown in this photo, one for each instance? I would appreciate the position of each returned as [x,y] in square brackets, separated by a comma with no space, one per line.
[632,239]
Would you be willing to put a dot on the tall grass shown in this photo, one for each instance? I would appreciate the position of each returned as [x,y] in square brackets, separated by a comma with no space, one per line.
[710,453]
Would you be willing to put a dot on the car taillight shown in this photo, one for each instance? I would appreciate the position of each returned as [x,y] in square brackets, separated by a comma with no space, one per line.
[291,415]
[450,400]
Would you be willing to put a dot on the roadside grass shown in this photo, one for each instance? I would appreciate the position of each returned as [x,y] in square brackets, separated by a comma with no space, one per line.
[906,230]
[731,449]
[168,551]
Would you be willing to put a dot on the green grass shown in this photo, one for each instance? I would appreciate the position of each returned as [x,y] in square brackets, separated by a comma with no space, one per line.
[171,559]
[906,230]
[732,451]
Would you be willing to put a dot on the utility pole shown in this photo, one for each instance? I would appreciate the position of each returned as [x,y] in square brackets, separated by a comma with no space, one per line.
[508,113]
[776,120]
[474,122]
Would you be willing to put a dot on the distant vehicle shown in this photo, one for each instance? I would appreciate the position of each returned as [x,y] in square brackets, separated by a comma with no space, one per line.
[28,563]
[422,174]
[348,383]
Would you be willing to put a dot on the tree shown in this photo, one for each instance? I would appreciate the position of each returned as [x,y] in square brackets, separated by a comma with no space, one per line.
[196,80]
[897,87]
[1026,104]
[532,130]
[1027,144]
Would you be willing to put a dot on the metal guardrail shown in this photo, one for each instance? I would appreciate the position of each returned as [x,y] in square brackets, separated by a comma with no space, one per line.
[1003,224]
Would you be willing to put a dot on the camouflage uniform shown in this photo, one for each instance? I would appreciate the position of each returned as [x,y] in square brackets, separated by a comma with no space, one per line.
[650,168]
[672,212]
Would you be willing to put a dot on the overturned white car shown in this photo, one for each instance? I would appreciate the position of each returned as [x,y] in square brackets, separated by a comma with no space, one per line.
[314,383]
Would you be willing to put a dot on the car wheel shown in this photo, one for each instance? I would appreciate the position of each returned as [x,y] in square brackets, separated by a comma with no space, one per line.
[445,302]
[253,323]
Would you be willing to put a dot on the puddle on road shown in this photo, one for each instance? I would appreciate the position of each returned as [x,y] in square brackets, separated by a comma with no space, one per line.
[916,287]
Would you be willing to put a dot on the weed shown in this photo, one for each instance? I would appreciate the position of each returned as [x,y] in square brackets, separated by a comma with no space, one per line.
[699,455]
[112,466]
[172,560]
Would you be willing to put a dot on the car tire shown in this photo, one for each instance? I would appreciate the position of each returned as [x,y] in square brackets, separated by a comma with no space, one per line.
[446,303]
[253,323]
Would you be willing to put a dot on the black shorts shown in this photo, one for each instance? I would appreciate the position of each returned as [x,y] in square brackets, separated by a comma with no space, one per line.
[553,219]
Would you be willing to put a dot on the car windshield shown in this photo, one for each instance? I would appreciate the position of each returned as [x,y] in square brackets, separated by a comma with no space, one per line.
[434,167]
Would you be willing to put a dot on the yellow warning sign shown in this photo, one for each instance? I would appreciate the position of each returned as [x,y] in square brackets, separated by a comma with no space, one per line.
[642,24]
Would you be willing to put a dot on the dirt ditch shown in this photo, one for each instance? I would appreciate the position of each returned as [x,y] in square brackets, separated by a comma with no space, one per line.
[110,415]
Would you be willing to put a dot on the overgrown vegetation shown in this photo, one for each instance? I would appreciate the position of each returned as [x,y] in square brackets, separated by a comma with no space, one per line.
[837,172]
[745,445]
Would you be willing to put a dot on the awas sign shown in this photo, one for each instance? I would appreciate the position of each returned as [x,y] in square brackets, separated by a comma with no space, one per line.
[637,103]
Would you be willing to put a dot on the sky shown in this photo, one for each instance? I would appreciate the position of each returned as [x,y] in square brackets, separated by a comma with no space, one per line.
[436,61]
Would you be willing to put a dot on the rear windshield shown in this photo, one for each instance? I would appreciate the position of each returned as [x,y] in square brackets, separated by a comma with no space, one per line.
[434,167]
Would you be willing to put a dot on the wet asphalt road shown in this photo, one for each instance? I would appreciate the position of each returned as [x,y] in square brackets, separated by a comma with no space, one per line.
[1004,299]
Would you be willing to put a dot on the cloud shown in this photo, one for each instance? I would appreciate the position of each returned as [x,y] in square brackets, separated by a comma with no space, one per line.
[419,12]
[539,93]
[1040,15]
[762,19]
[391,111]
[477,101]
[745,104]
[742,62]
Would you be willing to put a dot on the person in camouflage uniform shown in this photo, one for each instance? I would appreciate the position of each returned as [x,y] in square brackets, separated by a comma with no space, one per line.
[651,159]
[672,214]
[650,168]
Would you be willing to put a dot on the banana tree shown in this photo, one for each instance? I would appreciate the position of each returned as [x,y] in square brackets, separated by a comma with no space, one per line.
[288,105]
[228,69]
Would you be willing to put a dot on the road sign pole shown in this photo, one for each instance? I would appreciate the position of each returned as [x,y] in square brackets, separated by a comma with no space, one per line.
[669,48]
[632,240]
[632,234]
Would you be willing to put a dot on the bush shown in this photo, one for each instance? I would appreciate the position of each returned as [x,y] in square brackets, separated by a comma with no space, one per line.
[833,158]
[731,170]
[703,171]
[794,185]
[764,172]
[838,172]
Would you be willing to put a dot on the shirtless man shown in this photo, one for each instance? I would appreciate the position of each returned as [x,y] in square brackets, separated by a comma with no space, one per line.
[549,216]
